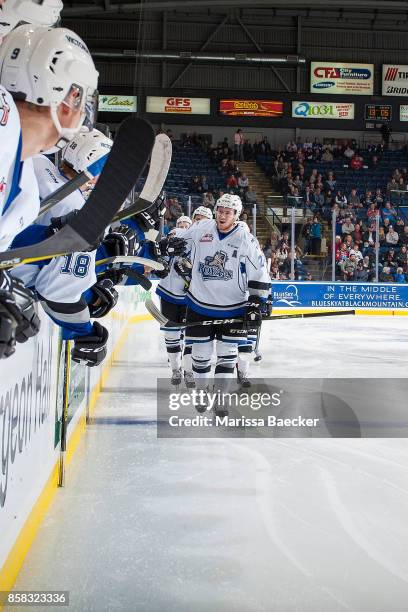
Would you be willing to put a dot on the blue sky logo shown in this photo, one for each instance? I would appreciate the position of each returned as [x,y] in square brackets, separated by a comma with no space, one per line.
[324,85]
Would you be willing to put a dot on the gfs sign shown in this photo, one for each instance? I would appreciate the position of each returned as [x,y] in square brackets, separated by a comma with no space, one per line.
[337,78]
[178,105]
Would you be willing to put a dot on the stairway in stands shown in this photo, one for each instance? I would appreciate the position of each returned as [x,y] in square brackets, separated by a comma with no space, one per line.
[262,185]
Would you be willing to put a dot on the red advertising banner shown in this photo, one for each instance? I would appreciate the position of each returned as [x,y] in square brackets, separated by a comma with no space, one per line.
[251,108]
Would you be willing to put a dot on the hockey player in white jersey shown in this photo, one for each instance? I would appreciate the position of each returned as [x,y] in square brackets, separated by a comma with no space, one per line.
[229,279]
[172,292]
[12,12]
[47,93]
[67,286]
[200,213]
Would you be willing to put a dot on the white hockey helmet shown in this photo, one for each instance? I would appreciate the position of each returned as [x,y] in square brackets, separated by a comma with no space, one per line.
[183,219]
[48,67]
[85,149]
[229,200]
[204,211]
[13,12]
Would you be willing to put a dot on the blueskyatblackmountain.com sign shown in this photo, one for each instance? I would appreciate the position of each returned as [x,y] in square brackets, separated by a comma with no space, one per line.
[339,295]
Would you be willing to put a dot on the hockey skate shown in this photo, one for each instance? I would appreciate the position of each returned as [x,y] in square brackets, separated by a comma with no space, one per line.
[176,378]
[189,380]
[243,381]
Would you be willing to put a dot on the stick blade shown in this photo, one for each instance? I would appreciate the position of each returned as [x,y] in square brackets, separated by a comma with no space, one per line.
[126,161]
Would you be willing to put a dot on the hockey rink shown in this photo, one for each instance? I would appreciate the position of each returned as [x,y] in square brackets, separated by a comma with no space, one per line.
[222,525]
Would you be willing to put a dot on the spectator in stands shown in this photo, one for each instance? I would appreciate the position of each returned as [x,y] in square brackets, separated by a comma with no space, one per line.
[327,155]
[347,227]
[330,182]
[404,237]
[385,275]
[239,145]
[348,266]
[399,276]
[306,235]
[402,257]
[203,184]
[367,198]
[361,273]
[265,147]
[381,237]
[389,212]
[208,199]
[392,236]
[356,162]
[372,212]
[357,253]
[223,168]
[399,226]
[353,197]
[357,234]
[340,199]
[378,197]
[231,182]
[176,210]
[392,185]
[316,236]
[402,183]
[247,151]
[318,199]
[348,152]
[243,181]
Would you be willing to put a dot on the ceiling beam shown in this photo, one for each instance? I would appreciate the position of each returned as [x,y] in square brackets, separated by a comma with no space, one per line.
[171,5]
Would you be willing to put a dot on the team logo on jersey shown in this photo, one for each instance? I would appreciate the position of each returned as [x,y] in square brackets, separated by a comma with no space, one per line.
[213,267]
[4,110]
[207,238]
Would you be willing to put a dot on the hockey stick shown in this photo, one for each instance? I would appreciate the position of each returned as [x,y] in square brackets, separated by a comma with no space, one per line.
[164,322]
[258,355]
[64,414]
[65,190]
[144,282]
[132,259]
[159,168]
[127,159]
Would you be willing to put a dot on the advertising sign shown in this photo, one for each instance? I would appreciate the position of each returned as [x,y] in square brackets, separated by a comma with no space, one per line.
[181,106]
[322,110]
[339,295]
[404,112]
[337,78]
[117,104]
[395,80]
[251,108]
[378,112]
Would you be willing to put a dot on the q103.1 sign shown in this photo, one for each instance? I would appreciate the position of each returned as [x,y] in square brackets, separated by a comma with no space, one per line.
[322,110]
[178,105]
[338,78]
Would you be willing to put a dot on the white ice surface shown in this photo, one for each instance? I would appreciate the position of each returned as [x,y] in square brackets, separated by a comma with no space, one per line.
[216,525]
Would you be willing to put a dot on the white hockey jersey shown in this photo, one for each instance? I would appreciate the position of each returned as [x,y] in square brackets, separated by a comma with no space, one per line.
[64,279]
[19,198]
[172,288]
[227,268]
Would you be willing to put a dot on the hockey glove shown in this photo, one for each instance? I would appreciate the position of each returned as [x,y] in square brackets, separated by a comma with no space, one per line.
[106,298]
[253,312]
[121,241]
[183,267]
[171,246]
[57,223]
[91,350]
[30,323]
[9,317]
